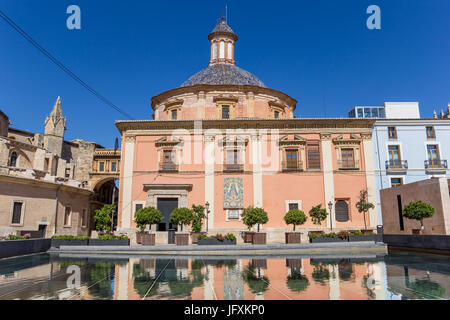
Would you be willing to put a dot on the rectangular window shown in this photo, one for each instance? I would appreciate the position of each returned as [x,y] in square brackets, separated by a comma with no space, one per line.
[396,182]
[168,161]
[137,207]
[232,160]
[433,155]
[313,155]
[392,132]
[366,112]
[101,167]
[374,112]
[360,113]
[430,133]
[113,166]
[67,216]
[17,213]
[382,113]
[84,218]
[348,160]
[67,173]
[394,157]
[174,115]
[225,112]
[291,159]
[293,206]
[276,114]
[233,214]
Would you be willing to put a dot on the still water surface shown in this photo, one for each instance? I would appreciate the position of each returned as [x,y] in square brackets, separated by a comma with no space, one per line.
[397,276]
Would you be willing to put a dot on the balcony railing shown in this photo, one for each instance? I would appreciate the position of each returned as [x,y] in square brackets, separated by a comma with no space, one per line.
[291,166]
[396,164]
[348,165]
[436,164]
[168,167]
[233,167]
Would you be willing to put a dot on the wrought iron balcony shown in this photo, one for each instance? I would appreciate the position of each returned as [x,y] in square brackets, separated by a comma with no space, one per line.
[397,164]
[348,165]
[233,167]
[291,166]
[168,167]
[436,164]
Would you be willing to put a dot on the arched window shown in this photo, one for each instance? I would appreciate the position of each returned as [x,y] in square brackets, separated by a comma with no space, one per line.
[341,211]
[222,50]
[13,159]
[214,50]
[230,54]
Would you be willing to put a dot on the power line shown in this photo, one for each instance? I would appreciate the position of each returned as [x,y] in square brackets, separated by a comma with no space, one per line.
[60,65]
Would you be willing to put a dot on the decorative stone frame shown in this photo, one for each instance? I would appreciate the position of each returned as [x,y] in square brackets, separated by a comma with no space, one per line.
[173,145]
[230,101]
[174,105]
[354,143]
[22,214]
[277,106]
[298,202]
[240,144]
[299,143]
[84,219]
[70,216]
[227,217]
[133,209]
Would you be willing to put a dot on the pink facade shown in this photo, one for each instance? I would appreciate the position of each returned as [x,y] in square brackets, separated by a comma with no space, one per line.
[235,143]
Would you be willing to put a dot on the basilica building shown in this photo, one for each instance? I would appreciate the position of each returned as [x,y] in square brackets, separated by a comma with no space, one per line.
[225,139]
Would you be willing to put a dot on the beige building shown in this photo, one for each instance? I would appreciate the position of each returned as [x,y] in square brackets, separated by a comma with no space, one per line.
[434,191]
[49,184]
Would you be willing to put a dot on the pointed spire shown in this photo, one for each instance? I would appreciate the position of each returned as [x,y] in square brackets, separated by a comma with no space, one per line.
[442,114]
[434,114]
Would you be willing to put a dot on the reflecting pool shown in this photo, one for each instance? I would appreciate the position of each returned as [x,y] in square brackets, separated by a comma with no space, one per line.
[396,276]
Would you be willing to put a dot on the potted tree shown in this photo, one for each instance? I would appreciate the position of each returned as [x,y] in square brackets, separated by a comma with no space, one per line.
[102,218]
[295,217]
[418,211]
[363,206]
[252,216]
[144,217]
[318,214]
[197,222]
[181,216]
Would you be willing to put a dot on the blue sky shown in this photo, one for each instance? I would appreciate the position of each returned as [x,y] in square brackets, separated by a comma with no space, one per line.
[319,52]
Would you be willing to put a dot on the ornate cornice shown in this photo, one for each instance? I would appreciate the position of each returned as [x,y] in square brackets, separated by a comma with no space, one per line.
[326,136]
[225,98]
[156,100]
[323,126]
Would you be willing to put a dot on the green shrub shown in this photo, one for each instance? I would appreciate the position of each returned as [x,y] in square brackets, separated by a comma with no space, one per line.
[147,216]
[102,217]
[318,214]
[69,237]
[14,237]
[181,216]
[110,237]
[230,236]
[295,217]
[252,216]
[418,211]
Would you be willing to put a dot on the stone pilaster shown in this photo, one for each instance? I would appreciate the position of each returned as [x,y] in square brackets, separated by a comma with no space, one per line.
[335,291]
[209,177]
[257,170]
[370,178]
[127,178]
[328,178]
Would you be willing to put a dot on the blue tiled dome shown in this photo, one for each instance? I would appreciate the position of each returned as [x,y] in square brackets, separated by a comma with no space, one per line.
[223,74]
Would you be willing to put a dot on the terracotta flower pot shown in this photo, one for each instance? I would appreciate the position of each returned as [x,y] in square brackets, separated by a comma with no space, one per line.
[148,239]
[293,237]
[248,236]
[181,239]
[194,236]
[259,238]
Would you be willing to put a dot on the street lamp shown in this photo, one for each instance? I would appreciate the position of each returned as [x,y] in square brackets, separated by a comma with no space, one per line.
[330,206]
[207,213]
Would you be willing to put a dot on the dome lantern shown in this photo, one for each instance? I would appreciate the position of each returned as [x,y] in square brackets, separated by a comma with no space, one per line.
[222,44]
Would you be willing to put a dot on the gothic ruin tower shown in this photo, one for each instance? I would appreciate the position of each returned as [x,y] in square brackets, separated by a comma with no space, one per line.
[55,125]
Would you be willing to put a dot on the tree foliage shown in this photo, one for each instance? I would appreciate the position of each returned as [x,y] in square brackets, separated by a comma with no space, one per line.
[181,216]
[147,216]
[252,216]
[102,217]
[295,217]
[318,214]
[418,211]
[363,205]
[198,216]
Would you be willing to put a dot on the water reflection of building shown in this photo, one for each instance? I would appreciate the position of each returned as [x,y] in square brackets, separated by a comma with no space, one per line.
[253,279]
